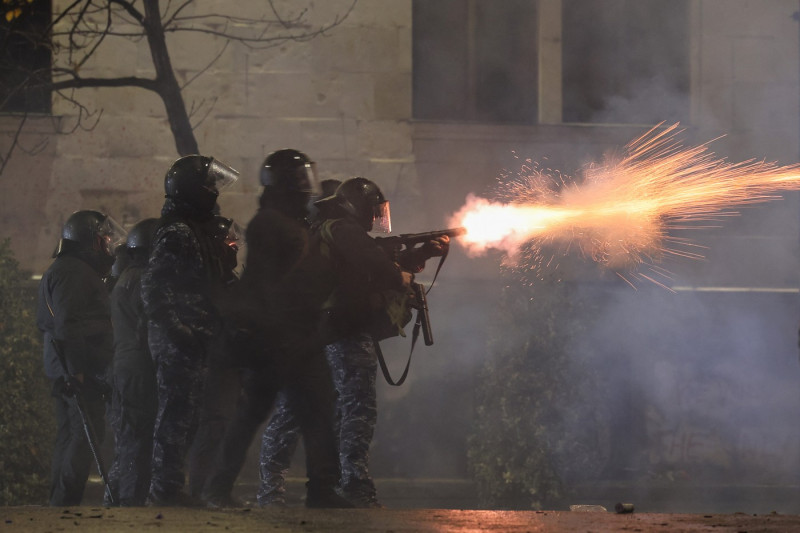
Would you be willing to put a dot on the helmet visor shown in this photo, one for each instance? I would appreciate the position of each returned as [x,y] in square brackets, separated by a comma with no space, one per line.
[111,234]
[316,189]
[220,175]
[382,218]
[234,236]
[307,181]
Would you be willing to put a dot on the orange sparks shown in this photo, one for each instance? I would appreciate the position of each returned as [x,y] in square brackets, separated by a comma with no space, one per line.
[620,212]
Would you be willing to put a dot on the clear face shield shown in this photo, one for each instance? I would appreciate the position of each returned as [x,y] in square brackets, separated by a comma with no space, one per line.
[220,175]
[111,235]
[311,185]
[234,235]
[382,218]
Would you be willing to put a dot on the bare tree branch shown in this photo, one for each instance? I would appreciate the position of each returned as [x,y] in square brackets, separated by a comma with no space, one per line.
[208,66]
[84,114]
[76,82]
[128,7]
[81,28]
[285,24]
[194,109]
[168,21]
[14,143]
[98,42]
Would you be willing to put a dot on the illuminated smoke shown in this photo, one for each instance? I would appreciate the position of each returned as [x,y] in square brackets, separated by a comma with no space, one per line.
[620,212]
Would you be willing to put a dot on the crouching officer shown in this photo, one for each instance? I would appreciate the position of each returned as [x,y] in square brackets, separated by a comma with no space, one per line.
[183,320]
[73,313]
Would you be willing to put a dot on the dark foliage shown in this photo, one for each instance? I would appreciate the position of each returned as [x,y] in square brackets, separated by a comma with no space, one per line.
[539,425]
[26,425]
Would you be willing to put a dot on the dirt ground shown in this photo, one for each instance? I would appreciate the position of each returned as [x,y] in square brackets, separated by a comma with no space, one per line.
[168,519]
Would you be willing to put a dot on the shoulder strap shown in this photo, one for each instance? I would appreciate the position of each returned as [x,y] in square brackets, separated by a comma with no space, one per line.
[385,369]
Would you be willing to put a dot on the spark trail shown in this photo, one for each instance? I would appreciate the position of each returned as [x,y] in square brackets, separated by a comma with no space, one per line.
[620,213]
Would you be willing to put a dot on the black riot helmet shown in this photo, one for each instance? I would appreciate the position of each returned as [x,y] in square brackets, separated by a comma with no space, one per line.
[228,231]
[363,200]
[328,188]
[289,170]
[227,234]
[196,180]
[90,231]
[141,234]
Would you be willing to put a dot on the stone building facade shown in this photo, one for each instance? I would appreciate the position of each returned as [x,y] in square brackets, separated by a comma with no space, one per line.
[346,98]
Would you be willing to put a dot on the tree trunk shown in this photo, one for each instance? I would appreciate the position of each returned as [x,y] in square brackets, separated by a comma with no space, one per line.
[166,84]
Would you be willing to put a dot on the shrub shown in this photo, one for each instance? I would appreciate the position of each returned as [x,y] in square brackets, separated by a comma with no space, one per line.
[539,423]
[26,423]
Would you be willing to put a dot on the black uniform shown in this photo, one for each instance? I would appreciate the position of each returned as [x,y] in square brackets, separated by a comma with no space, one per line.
[360,269]
[73,309]
[283,355]
[183,322]
[135,398]
[222,387]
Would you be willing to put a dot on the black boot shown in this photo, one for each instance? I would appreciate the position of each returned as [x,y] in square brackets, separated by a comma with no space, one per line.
[326,499]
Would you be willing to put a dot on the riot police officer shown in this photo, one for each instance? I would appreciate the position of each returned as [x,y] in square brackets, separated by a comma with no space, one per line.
[134,399]
[282,353]
[73,313]
[183,320]
[363,275]
[282,434]
[222,385]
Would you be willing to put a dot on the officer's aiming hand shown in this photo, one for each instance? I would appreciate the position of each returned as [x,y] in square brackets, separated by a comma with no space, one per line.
[437,247]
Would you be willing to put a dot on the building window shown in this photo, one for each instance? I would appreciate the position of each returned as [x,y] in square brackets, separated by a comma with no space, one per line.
[475,60]
[625,61]
[25,57]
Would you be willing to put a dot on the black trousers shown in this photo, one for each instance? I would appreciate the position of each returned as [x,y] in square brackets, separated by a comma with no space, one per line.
[134,406]
[222,390]
[307,382]
[72,456]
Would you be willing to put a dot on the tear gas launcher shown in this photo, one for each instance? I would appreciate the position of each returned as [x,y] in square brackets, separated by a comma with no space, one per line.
[404,250]
[405,244]
[407,241]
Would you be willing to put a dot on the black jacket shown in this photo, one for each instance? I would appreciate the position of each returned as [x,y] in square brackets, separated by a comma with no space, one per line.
[362,270]
[73,308]
[182,275]
[277,243]
[131,352]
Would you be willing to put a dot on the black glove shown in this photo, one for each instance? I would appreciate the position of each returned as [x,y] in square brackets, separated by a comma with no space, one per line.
[67,387]
[98,387]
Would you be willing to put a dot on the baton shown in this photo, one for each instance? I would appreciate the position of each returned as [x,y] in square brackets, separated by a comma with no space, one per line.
[88,427]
